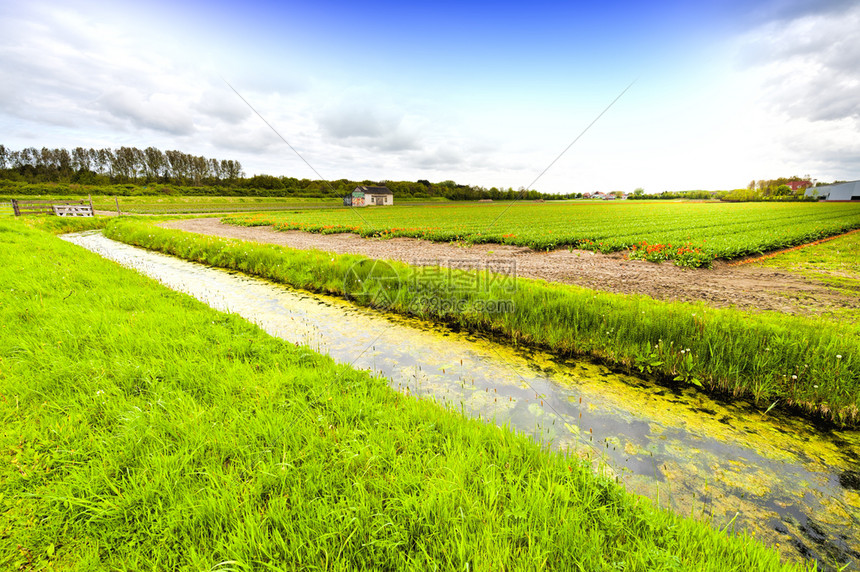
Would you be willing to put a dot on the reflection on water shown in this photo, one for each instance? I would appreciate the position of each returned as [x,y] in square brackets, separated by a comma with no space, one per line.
[787,482]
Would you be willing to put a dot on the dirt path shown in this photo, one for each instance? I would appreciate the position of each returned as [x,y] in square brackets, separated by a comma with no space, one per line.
[746,287]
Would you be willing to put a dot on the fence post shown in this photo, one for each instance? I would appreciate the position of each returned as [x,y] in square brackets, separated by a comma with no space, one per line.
[118,212]
[15,207]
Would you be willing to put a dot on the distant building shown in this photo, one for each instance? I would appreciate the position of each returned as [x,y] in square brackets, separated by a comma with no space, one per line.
[369,196]
[849,191]
[799,184]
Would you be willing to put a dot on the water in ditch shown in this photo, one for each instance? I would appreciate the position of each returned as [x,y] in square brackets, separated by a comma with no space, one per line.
[791,484]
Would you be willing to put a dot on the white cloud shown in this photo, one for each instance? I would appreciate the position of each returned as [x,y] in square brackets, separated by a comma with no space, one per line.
[223,105]
[809,65]
[439,158]
[376,127]
[253,138]
[85,75]
[111,86]
[787,10]
[157,111]
[806,81]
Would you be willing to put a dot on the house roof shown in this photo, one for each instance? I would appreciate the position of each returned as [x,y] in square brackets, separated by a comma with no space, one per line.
[375,190]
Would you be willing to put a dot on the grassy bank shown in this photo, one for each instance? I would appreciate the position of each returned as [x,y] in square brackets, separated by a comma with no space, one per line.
[768,357]
[834,263]
[144,431]
[167,205]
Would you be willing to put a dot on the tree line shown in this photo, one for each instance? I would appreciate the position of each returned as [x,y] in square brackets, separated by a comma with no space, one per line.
[121,165]
[133,171]
[779,186]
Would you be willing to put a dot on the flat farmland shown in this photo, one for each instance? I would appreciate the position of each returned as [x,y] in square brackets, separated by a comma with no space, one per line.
[690,234]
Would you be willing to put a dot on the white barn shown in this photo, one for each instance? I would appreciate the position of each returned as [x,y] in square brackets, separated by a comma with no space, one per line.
[849,191]
[369,196]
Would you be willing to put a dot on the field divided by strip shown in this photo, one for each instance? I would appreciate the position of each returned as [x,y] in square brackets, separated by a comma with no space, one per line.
[145,431]
[691,234]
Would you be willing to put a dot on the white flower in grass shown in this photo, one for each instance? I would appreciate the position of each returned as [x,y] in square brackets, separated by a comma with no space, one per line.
[838,357]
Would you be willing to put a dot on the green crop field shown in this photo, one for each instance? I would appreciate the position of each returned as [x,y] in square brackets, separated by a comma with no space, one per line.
[691,234]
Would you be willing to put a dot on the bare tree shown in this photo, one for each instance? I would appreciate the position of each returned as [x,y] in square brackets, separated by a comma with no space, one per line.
[179,166]
[80,159]
[46,158]
[123,166]
[231,170]
[104,161]
[63,161]
[215,169]
[199,169]
[154,161]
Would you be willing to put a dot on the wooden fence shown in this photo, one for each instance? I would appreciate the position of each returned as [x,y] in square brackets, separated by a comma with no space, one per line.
[83,207]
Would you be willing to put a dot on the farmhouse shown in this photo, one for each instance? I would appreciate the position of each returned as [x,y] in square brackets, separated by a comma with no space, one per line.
[849,191]
[369,196]
[798,184]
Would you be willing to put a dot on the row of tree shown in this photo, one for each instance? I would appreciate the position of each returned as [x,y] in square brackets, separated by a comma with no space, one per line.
[121,165]
[639,194]
[129,171]
[779,187]
[150,170]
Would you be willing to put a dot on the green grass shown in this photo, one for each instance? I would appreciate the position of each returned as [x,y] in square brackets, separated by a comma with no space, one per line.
[835,263]
[768,357]
[167,204]
[691,234]
[144,431]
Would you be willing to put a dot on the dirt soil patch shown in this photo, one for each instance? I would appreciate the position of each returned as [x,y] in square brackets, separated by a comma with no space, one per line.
[747,287]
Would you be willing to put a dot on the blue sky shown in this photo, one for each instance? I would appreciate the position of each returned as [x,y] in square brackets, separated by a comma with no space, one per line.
[482,93]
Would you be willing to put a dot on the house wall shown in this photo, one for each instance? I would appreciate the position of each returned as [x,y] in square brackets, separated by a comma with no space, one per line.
[842,192]
[380,200]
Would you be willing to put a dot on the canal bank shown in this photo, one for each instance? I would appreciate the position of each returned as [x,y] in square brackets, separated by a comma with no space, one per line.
[787,481]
